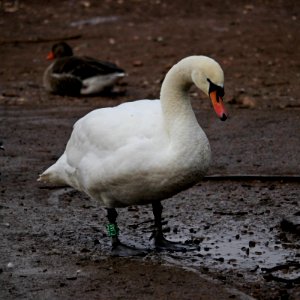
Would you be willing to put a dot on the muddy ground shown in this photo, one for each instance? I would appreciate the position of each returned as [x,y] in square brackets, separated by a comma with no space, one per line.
[53,241]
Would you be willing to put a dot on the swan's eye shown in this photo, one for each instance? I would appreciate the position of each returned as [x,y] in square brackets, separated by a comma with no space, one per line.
[220,92]
[213,87]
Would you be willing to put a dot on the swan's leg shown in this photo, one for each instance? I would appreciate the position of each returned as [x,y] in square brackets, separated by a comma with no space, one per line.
[112,227]
[157,233]
[160,242]
[118,248]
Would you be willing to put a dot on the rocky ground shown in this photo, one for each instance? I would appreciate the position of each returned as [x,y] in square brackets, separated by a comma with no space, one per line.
[244,217]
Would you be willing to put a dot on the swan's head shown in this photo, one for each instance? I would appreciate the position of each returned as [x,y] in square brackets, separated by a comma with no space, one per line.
[209,77]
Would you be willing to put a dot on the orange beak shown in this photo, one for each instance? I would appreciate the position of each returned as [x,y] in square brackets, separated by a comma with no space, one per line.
[218,105]
[50,55]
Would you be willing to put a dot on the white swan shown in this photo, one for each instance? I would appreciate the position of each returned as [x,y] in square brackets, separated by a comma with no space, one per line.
[144,151]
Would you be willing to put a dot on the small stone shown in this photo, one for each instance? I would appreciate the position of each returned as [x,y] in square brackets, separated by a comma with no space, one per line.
[86,4]
[159,39]
[85,250]
[72,277]
[197,241]
[252,244]
[137,63]
[112,41]
[247,102]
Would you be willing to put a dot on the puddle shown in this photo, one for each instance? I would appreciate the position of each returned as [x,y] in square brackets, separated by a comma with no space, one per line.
[223,254]
[240,236]
[231,235]
[218,251]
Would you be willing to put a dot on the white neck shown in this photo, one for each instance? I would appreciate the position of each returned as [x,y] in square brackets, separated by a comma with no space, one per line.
[179,116]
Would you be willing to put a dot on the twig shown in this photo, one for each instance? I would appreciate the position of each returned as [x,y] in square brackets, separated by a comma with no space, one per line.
[285,267]
[247,177]
[231,213]
[42,40]
[53,187]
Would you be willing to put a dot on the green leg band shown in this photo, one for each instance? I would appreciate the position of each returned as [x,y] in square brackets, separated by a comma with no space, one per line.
[112,230]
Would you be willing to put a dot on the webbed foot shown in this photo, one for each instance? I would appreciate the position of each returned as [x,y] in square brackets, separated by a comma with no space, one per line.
[162,244]
[121,250]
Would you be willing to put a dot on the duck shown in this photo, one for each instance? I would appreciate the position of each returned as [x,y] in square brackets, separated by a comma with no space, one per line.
[74,76]
[145,151]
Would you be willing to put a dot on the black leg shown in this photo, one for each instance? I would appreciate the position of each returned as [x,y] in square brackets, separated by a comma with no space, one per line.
[118,248]
[160,242]
[157,211]
[112,227]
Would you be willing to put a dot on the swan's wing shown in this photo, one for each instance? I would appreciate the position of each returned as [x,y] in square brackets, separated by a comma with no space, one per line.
[106,130]
[109,140]
[115,143]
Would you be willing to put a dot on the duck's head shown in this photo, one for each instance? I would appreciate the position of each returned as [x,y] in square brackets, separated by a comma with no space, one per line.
[209,77]
[59,50]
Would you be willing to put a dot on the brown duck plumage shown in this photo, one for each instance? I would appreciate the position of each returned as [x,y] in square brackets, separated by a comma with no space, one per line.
[74,75]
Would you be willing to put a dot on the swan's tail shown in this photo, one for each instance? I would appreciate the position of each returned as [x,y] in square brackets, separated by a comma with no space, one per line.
[51,177]
[56,174]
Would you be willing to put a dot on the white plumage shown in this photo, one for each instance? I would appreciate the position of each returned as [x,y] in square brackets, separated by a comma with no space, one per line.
[141,151]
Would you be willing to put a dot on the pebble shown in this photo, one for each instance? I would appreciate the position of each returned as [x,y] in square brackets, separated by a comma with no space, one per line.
[137,63]
[112,41]
[247,102]
[72,277]
[252,244]
[86,4]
